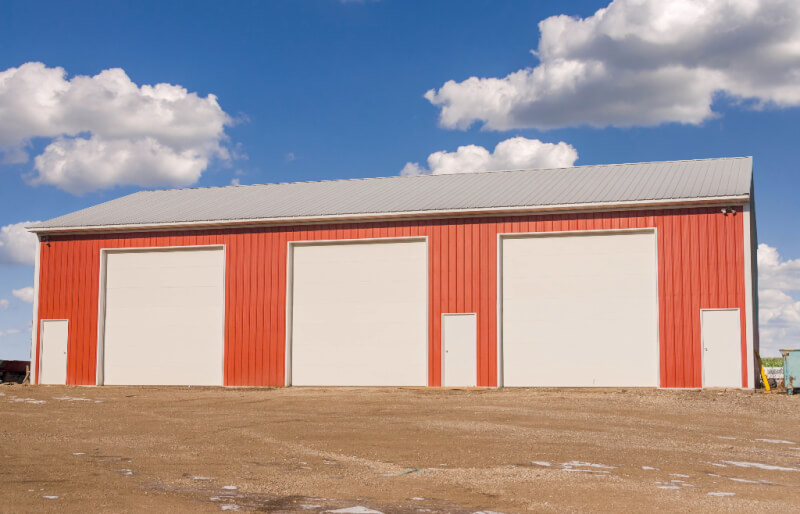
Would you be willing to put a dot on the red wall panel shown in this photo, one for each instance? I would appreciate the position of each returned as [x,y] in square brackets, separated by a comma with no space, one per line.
[700,265]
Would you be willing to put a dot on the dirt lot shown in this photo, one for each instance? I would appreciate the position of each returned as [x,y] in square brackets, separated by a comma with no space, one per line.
[113,449]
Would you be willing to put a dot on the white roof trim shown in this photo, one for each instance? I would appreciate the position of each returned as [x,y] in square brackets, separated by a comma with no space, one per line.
[594,206]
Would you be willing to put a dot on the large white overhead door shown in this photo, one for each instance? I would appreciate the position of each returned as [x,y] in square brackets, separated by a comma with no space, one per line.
[580,310]
[359,314]
[164,315]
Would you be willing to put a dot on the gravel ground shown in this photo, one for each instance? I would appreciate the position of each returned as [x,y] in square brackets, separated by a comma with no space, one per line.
[130,449]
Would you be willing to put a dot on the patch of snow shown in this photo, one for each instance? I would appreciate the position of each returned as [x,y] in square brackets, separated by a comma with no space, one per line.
[230,487]
[27,400]
[649,468]
[673,484]
[78,453]
[775,441]
[50,497]
[721,494]
[678,475]
[713,475]
[358,509]
[417,499]
[585,470]
[194,477]
[125,472]
[746,481]
[71,399]
[768,467]
[215,498]
[230,506]
[579,464]
[726,437]
[309,506]
[541,463]
[305,467]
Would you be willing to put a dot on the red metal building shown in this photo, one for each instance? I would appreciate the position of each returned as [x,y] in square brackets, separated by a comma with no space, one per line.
[636,275]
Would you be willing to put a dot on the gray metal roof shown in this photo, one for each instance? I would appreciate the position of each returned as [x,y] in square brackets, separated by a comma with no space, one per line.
[564,187]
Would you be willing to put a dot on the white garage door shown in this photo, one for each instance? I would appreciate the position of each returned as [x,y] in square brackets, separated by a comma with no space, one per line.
[164,317]
[580,310]
[359,314]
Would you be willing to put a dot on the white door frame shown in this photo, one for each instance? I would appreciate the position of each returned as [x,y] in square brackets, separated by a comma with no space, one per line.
[101,297]
[566,233]
[41,347]
[443,347]
[703,345]
[376,240]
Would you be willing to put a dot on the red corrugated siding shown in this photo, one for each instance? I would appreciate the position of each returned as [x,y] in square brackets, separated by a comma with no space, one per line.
[700,257]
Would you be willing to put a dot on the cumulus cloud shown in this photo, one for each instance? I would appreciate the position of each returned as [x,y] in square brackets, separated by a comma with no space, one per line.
[512,154]
[778,311]
[3,303]
[640,62]
[106,130]
[17,245]
[25,294]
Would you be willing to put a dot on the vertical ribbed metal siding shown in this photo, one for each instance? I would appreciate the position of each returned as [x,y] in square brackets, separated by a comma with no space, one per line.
[700,257]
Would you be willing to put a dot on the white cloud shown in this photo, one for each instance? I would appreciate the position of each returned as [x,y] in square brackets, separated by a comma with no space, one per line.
[778,311]
[236,182]
[106,130]
[12,331]
[17,245]
[640,62]
[511,154]
[78,165]
[3,303]
[25,294]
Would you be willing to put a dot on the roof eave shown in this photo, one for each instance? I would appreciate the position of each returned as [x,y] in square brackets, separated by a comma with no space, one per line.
[594,206]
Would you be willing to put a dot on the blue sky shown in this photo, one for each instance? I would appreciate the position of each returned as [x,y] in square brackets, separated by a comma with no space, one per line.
[323,89]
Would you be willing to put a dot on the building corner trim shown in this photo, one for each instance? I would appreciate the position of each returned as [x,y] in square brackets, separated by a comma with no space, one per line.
[749,256]
[34,365]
